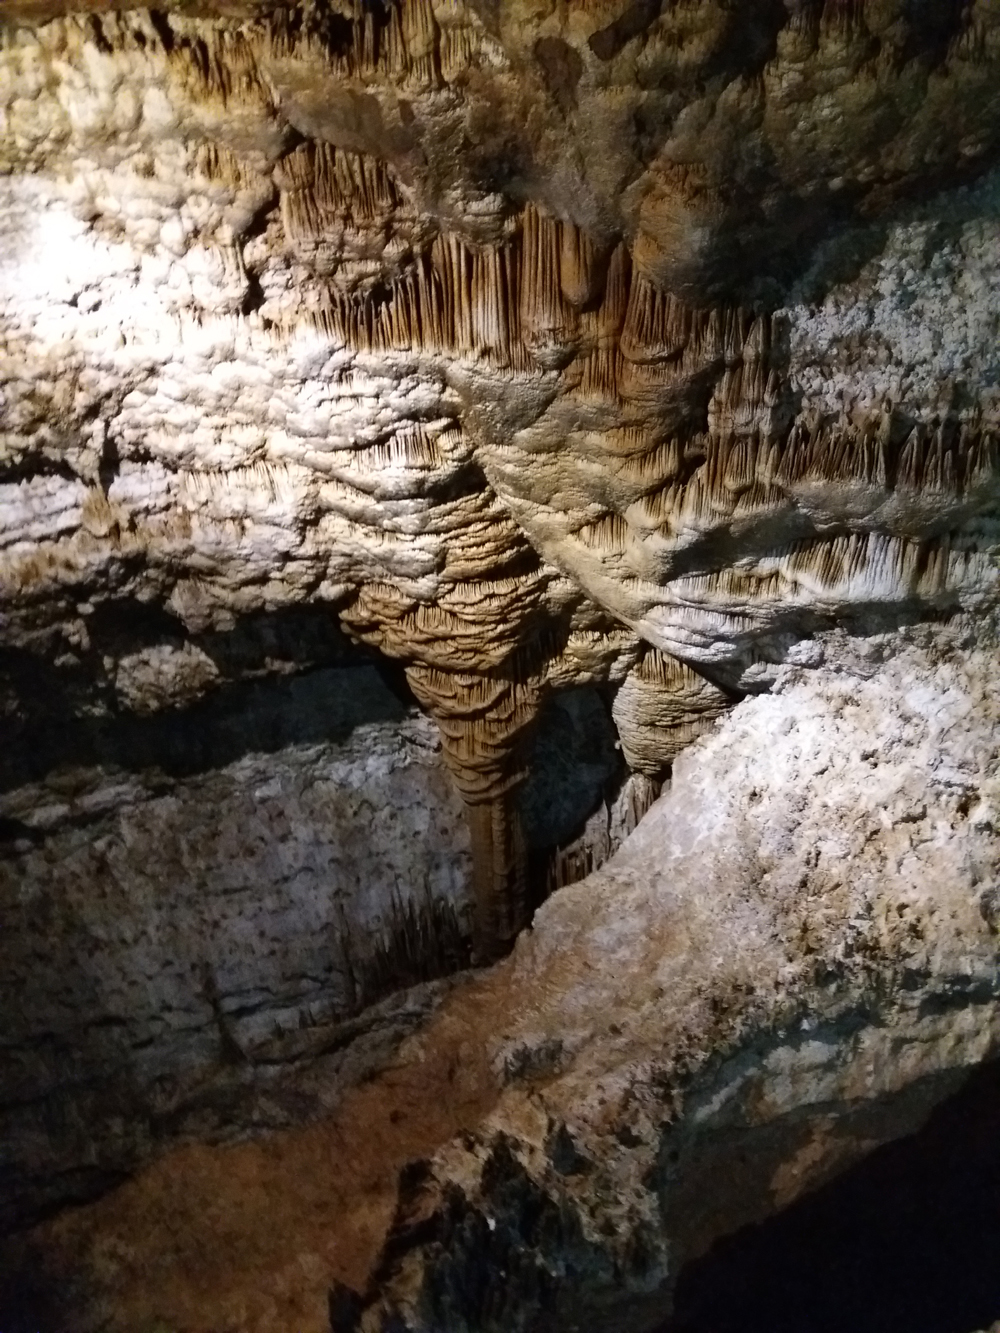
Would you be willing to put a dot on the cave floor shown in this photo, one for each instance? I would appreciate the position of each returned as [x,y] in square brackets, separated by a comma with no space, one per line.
[249,1237]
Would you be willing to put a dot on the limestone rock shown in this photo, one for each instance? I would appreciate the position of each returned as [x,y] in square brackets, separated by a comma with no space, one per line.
[790,961]
[200,956]
[522,338]
[611,362]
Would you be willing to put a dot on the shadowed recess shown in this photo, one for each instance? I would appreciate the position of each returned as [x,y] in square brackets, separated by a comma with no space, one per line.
[237,719]
[904,1243]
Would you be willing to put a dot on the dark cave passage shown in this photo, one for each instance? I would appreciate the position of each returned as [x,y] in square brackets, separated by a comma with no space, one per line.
[906,1242]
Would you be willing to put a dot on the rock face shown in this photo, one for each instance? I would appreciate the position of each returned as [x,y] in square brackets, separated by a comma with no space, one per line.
[791,960]
[196,954]
[595,369]
[541,346]
[191,958]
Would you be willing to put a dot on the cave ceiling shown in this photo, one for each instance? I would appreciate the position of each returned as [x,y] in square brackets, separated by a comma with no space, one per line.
[542,344]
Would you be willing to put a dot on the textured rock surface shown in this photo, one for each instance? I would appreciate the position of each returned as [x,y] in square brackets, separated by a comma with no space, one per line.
[586,360]
[790,961]
[792,958]
[185,958]
[191,945]
[543,345]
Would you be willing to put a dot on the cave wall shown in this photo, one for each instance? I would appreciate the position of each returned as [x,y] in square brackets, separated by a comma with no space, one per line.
[583,361]
[792,960]
[185,957]
[243,908]
[542,345]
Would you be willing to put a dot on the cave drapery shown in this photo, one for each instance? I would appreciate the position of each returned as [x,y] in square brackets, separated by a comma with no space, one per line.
[596,365]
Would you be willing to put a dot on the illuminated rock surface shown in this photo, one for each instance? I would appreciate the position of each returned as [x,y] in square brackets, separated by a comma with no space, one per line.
[542,347]
[594,364]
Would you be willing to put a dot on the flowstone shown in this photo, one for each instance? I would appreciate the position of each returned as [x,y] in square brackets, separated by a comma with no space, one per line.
[615,382]
[543,346]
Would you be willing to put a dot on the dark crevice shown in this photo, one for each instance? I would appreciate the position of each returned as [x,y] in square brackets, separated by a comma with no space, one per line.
[906,1242]
[30,466]
[257,716]
[110,464]
[576,782]
[284,677]
[161,24]
[98,37]
[339,32]
[933,26]
[126,624]
[393,676]
[637,17]
[573,762]
[253,296]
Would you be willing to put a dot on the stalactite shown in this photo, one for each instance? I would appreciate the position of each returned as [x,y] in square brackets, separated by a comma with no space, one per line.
[662,706]
[482,722]
[558,423]
[547,321]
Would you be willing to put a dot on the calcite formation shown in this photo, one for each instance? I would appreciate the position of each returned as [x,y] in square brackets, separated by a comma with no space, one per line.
[543,344]
[617,372]
[219,918]
[792,959]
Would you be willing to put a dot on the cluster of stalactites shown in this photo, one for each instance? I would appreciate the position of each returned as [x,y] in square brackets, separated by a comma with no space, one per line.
[415,46]
[694,436]
[662,461]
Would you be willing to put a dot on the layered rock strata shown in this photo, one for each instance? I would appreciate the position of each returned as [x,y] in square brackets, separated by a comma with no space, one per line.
[199,958]
[543,345]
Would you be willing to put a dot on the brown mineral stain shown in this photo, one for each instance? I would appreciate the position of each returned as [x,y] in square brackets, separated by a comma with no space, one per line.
[248,1238]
